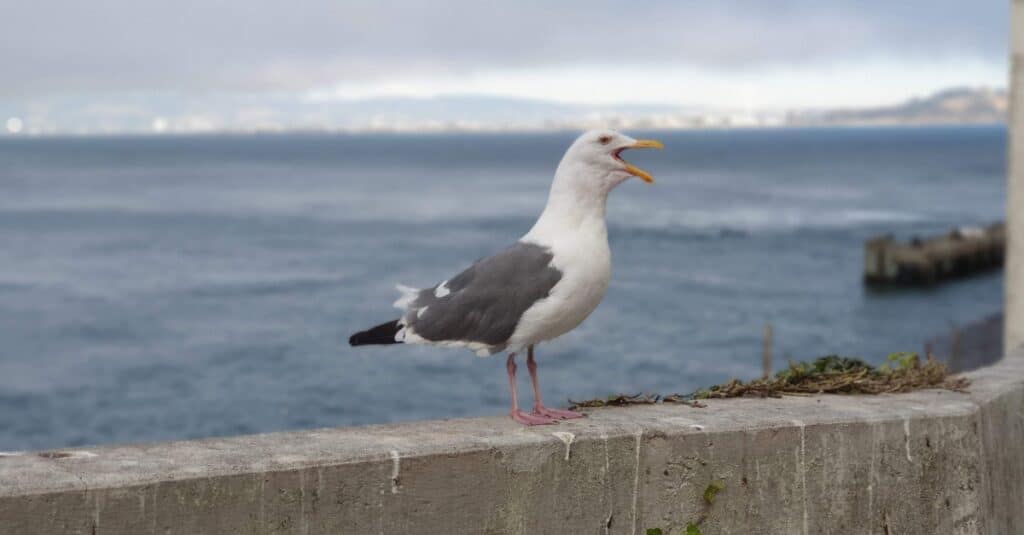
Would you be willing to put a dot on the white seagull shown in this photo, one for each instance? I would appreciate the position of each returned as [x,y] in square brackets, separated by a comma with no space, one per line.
[538,289]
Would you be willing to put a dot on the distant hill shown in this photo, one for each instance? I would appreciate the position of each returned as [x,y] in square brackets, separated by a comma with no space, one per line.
[224,113]
[133,114]
[961,105]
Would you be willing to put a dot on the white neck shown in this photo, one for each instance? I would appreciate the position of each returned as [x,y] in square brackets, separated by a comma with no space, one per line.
[576,204]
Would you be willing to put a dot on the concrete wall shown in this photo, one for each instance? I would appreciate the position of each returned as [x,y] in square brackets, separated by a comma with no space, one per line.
[926,462]
[1014,329]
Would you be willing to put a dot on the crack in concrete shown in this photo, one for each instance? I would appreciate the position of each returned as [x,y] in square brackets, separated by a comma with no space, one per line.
[803,468]
[97,507]
[396,468]
[302,502]
[906,437]
[604,483]
[153,507]
[636,478]
[871,475]
[263,499]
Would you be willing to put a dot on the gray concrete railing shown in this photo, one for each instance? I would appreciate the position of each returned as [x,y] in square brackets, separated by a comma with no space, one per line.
[926,462]
[1014,270]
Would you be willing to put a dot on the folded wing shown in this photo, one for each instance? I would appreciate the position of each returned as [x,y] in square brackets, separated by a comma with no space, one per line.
[480,307]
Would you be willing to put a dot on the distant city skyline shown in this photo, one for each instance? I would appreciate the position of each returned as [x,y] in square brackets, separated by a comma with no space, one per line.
[122,66]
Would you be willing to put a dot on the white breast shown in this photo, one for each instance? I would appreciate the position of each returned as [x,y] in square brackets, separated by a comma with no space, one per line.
[585,262]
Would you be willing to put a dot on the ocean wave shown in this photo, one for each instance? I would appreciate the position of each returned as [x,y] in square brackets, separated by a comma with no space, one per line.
[9,286]
[397,214]
[740,222]
[257,288]
[728,222]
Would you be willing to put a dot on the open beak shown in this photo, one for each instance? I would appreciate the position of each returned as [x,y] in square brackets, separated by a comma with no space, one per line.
[632,169]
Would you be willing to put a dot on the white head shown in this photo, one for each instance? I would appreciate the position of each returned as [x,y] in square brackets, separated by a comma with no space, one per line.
[587,173]
[594,162]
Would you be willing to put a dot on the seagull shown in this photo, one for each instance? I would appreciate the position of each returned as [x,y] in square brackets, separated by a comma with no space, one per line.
[540,287]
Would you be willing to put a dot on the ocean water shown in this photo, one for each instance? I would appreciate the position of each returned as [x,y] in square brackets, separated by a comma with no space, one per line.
[181,287]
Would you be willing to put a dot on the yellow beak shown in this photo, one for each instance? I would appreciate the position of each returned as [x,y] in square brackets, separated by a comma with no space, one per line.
[636,171]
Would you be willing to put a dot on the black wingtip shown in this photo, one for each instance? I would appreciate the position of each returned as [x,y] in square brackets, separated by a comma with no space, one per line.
[382,334]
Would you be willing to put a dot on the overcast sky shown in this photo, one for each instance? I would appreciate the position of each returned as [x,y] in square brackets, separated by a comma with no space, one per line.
[758,53]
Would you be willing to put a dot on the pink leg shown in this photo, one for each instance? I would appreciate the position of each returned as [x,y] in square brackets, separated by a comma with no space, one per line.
[515,413]
[538,406]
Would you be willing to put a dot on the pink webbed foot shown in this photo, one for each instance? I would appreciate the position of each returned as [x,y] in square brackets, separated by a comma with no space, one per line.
[531,419]
[559,414]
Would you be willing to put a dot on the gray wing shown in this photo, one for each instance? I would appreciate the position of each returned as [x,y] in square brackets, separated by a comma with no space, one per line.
[483,304]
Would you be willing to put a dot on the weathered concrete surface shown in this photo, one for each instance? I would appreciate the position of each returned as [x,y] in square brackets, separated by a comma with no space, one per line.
[927,462]
[1014,331]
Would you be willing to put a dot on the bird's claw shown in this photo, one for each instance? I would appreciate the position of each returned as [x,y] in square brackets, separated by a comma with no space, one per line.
[558,414]
[532,419]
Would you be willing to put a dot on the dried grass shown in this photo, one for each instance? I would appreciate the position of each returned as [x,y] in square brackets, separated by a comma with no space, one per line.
[833,374]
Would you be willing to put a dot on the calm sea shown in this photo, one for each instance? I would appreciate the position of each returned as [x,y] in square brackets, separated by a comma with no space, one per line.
[180,287]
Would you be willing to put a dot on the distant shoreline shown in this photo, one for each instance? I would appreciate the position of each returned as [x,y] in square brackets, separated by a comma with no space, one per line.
[490,132]
[469,114]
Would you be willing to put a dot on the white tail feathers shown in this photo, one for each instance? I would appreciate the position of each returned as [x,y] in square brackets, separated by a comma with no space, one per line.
[408,296]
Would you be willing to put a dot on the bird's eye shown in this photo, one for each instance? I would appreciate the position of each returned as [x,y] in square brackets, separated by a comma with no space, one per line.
[605,139]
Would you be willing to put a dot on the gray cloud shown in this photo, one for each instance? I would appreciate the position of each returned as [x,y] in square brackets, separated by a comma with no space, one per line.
[60,46]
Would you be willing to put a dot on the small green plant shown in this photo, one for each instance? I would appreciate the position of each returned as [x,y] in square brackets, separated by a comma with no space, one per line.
[900,361]
[693,528]
[712,490]
[833,374]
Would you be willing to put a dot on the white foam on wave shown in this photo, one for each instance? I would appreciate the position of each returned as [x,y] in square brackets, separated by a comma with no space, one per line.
[756,219]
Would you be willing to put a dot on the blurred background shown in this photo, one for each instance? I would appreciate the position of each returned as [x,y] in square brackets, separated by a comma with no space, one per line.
[201,201]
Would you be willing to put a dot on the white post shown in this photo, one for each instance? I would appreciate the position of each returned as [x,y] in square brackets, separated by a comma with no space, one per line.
[1014,319]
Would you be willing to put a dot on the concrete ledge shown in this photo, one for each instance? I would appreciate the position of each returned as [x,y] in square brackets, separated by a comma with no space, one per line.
[926,462]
